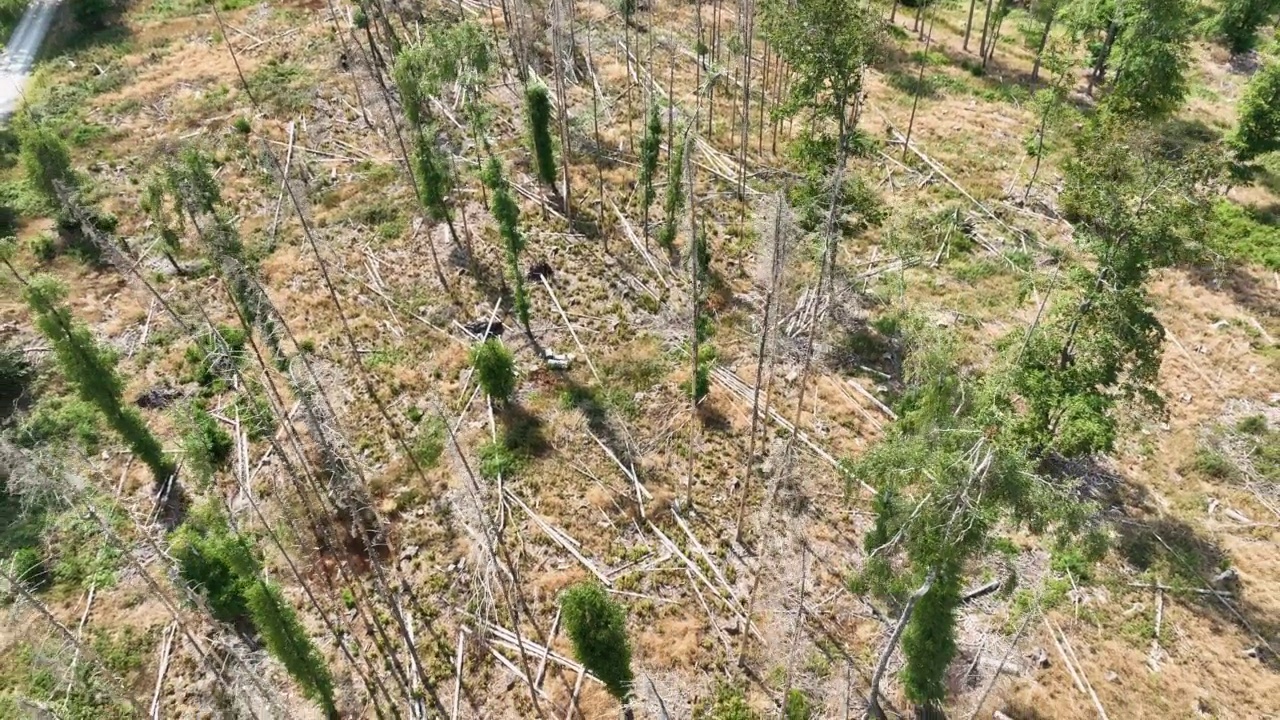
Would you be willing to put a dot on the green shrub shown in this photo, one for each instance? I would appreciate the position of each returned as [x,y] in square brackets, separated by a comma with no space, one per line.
[1253,425]
[28,566]
[429,444]
[797,706]
[210,560]
[56,419]
[241,125]
[44,247]
[498,459]
[597,627]
[212,358]
[206,445]
[495,369]
[1213,464]
[728,703]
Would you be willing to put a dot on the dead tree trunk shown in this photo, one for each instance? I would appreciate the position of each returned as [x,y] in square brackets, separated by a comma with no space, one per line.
[873,697]
[777,261]
[915,99]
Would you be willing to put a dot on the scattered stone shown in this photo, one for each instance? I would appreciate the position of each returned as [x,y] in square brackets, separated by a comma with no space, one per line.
[1251,652]
[1040,658]
[1112,677]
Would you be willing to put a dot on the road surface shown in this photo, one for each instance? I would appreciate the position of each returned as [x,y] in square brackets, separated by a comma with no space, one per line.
[20,53]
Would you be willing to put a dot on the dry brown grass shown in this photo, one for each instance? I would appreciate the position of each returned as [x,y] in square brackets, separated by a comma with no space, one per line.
[573,485]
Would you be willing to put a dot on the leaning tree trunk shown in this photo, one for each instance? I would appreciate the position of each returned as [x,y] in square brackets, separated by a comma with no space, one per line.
[873,697]
[1044,41]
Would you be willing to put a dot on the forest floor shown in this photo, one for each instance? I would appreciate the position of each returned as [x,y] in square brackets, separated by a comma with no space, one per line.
[602,451]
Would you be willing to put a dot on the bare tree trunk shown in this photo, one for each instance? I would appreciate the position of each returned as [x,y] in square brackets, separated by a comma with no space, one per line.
[595,125]
[968,26]
[873,697]
[695,251]
[1100,67]
[986,28]
[915,99]
[1044,41]
[562,98]
[764,97]
[766,323]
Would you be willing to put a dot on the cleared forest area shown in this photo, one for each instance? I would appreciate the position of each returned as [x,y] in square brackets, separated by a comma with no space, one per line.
[552,358]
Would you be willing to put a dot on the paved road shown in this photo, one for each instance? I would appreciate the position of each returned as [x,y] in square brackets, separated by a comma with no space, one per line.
[20,53]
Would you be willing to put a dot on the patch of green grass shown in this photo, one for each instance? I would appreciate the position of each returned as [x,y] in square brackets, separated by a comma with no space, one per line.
[428,446]
[1246,235]
[911,83]
[56,419]
[1210,463]
[498,459]
[729,702]
[284,87]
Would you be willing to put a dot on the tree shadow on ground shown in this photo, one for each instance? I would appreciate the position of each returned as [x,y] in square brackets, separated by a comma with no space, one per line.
[1167,550]
[522,431]
[1245,287]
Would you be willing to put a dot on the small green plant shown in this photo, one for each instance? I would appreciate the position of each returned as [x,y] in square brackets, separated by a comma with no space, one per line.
[728,703]
[597,627]
[242,125]
[429,444]
[797,706]
[495,369]
[674,203]
[206,445]
[537,102]
[507,213]
[1251,425]
[498,460]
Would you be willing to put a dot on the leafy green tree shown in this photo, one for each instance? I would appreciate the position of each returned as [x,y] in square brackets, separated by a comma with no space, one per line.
[1258,129]
[507,213]
[166,224]
[537,102]
[597,627]
[1237,23]
[222,565]
[946,486]
[435,181]
[649,147]
[495,369]
[674,203]
[828,45]
[1154,50]
[1135,210]
[93,372]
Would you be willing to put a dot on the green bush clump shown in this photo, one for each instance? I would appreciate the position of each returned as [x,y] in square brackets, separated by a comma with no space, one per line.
[495,369]
[212,562]
[597,627]
[212,358]
[58,418]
